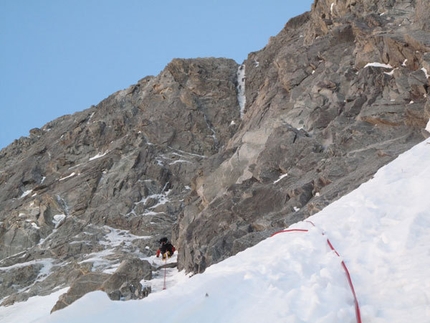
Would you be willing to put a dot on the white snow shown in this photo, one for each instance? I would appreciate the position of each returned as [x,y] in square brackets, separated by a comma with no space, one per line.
[280,178]
[390,73]
[68,176]
[161,198]
[44,271]
[24,194]
[91,116]
[382,65]
[241,88]
[58,219]
[99,155]
[425,72]
[381,232]
[428,126]
[118,237]
[171,158]
[180,161]
[375,64]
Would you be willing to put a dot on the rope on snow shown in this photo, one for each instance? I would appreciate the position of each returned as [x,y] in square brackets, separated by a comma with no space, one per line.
[345,268]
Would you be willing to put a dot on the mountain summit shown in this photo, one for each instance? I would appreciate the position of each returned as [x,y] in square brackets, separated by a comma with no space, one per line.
[214,154]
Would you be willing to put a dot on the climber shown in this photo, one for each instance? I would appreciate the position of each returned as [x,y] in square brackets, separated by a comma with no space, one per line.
[166,249]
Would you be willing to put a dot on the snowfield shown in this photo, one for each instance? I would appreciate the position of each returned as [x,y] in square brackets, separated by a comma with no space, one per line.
[381,231]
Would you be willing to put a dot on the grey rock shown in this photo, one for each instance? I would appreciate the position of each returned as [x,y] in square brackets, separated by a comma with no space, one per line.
[174,155]
[13,280]
[83,285]
[125,284]
[319,122]
[121,167]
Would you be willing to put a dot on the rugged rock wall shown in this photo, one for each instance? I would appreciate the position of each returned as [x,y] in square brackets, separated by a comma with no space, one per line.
[122,167]
[339,92]
[223,154]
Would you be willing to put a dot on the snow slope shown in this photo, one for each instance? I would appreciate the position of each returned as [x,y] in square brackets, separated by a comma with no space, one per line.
[381,232]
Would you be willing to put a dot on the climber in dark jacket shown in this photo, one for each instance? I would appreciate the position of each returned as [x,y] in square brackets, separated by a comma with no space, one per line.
[166,249]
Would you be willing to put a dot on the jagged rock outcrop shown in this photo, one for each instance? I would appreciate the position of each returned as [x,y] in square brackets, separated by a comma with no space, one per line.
[81,286]
[224,154]
[123,284]
[339,92]
[118,169]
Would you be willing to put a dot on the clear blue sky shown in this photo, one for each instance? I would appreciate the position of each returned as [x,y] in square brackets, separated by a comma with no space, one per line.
[59,57]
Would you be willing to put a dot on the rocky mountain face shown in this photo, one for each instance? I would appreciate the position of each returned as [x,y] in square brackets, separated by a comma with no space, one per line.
[109,181]
[214,154]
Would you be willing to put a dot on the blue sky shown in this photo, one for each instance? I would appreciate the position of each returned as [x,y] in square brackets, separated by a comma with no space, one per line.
[60,57]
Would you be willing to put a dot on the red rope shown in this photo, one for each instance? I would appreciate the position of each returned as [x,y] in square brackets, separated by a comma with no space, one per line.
[351,285]
[348,276]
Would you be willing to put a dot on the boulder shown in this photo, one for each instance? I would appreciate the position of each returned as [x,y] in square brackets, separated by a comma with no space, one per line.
[83,285]
[124,283]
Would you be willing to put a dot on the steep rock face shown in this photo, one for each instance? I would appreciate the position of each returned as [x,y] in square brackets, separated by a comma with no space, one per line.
[224,154]
[337,94]
[121,168]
